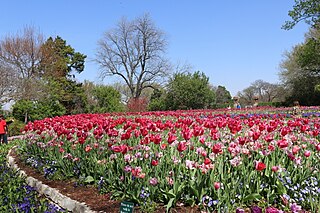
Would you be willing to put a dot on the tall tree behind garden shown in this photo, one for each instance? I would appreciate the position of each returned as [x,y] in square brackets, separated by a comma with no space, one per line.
[59,66]
[304,80]
[134,51]
[20,55]
[300,71]
[189,91]
[223,97]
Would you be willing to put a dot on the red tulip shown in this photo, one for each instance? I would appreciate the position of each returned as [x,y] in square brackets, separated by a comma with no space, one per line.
[217,148]
[156,138]
[284,131]
[171,138]
[282,143]
[256,135]
[121,148]
[182,146]
[260,166]
[268,138]
[187,133]
[198,130]
[154,163]
[315,133]
[271,147]
[242,140]
[207,161]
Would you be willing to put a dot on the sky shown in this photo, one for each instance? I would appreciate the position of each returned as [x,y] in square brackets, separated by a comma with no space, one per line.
[233,42]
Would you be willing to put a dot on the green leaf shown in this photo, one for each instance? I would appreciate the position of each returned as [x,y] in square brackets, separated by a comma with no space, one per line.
[89,179]
[251,197]
[170,203]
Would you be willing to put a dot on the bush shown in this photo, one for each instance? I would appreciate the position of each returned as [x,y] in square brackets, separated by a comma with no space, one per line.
[15,128]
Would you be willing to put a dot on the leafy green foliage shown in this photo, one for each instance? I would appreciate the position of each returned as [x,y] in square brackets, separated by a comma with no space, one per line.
[301,73]
[25,110]
[107,99]
[15,128]
[304,10]
[223,97]
[189,91]
[157,100]
[60,60]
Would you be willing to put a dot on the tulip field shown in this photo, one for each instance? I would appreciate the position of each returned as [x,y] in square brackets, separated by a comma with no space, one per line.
[262,159]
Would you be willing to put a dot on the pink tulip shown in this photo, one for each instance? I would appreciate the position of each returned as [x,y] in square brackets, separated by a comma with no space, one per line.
[275,168]
[217,185]
[307,153]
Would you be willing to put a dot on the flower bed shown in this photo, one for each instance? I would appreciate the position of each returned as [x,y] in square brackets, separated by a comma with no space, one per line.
[16,195]
[223,161]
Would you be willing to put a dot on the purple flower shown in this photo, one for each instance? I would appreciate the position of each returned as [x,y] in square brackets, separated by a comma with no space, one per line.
[272,210]
[239,210]
[295,207]
[256,209]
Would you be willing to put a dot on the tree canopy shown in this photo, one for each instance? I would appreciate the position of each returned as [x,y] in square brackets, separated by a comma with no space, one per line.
[189,91]
[304,10]
[59,62]
[301,70]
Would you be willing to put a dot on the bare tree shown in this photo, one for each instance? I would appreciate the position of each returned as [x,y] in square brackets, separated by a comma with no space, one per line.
[7,83]
[247,95]
[134,52]
[264,91]
[22,54]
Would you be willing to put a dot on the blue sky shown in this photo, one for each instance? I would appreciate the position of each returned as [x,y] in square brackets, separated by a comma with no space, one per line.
[233,42]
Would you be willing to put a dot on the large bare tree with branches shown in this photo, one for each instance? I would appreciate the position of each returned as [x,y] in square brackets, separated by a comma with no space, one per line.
[134,51]
[21,55]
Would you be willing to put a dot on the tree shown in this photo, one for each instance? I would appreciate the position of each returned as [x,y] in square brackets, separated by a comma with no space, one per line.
[108,99]
[304,10]
[21,56]
[7,82]
[309,52]
[223,96]
[263,91]
[300,71]
[60,60]
[247,95]
[59,63]
[134,52]
[26,110]
[157,100]
[189,91]
[102,98]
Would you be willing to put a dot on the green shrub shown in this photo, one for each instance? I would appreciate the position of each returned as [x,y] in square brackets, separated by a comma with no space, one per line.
[15,128]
